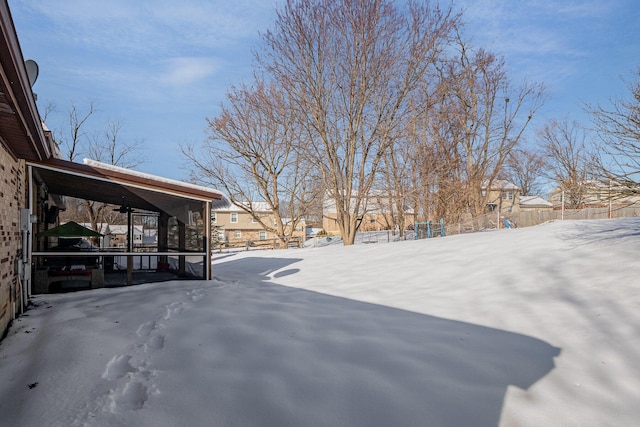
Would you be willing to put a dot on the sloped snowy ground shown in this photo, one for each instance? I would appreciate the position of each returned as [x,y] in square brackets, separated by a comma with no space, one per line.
[525,327]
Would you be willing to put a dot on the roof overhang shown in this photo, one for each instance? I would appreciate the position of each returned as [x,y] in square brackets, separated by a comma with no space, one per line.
[123,187]
[21,129]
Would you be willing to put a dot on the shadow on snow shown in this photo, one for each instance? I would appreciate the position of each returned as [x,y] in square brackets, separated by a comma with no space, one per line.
[297,357]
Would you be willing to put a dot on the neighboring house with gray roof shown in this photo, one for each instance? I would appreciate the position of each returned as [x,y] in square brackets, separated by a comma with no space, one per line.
[503,195]
[534,203]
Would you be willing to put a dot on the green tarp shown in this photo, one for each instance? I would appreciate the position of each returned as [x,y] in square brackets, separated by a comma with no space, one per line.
[70,229]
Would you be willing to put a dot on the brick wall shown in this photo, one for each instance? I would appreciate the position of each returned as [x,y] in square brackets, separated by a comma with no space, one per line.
[12,198]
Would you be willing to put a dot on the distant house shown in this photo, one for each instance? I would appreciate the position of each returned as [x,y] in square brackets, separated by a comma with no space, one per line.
[116,235]
[534,203]
[238,227]
[378,213]
[503,196]
[594,193]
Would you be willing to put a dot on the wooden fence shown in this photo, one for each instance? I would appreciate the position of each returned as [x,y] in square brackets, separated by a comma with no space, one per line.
[490,221]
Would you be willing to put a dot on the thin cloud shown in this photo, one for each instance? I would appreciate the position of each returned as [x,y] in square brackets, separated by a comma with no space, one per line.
[151,28]
[536,27]
[187,71]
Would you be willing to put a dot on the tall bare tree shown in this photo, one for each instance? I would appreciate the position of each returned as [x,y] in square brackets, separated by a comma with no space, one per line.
[433,157]
[394,190]
[490,116]
[350,66]
[251,155]
[566,150]
[618,127]
[525,168]
[71,140]
[76,140]
[109,147]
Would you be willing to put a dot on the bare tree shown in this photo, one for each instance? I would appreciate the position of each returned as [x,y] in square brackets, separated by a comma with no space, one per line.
[349,66]
[490,116]
[108,147]
[75,141]
[394,189]
[567,156]
[72,140]
[524,167]
[618,127]
[433,158]
[251,155]
[48,109]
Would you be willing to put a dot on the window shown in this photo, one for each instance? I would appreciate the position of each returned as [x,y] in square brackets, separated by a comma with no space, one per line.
[214,217]
[507,195]
[263,235]
[238,234]
[234,217]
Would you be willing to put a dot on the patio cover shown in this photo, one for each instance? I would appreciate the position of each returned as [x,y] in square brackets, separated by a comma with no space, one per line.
[130,189]
[101,182]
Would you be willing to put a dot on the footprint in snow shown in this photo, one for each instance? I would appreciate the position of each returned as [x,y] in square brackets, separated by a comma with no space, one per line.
[131,397]
[156,342]
[118,367]
[145,329]
[197,294]
[173,309]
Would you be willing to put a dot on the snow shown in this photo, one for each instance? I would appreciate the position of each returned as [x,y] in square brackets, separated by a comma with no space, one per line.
[534,326]
[132,172]
[534,201]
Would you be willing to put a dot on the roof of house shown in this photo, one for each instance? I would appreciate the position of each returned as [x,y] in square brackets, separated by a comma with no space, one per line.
[256,206]
[106,228]
[534,201]
[501,184]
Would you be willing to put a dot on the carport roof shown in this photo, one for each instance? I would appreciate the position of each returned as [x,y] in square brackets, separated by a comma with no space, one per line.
[119,186]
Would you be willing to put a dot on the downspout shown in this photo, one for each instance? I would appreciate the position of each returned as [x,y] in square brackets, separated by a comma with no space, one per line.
[207,237]
[129,248]
[28,248]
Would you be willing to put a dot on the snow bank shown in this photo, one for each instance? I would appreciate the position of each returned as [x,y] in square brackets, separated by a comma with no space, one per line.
[522,327]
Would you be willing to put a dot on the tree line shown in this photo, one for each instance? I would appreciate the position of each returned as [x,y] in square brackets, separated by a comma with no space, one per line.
[360,100]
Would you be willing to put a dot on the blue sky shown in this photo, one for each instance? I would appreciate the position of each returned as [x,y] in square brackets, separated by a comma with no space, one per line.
[161,67]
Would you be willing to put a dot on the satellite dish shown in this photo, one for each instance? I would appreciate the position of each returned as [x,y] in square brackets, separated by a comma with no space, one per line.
[32,71]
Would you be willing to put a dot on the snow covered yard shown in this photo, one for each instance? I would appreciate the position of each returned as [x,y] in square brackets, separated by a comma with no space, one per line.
[525,327]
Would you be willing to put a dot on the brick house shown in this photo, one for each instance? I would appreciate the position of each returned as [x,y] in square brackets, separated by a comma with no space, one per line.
[22,139]
[503,196]
[237,227]
[34,182]
[378,215]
